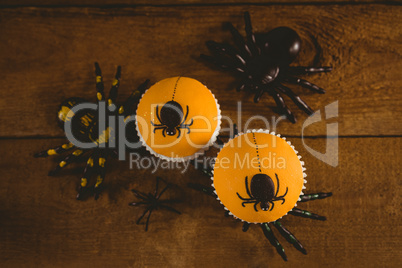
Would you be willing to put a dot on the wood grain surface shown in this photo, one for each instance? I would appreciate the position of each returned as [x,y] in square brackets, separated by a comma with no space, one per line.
[37,43]
[120,3]
[43,225]
[47,51]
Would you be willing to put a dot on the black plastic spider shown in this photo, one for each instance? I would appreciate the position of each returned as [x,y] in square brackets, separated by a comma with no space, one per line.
[153,202]
[171,118]
[263,64]
[266,228]
[262,192]
[84,127]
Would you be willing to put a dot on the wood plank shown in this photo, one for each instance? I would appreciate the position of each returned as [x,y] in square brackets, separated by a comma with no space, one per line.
[47,55]
[171,2]
[41,223]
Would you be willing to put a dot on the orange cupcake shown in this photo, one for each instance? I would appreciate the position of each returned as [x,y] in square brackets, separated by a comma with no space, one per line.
[258,176]
[178,118]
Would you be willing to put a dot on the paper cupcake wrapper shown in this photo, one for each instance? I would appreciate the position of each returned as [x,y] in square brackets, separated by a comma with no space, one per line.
[200,152]
[288,142]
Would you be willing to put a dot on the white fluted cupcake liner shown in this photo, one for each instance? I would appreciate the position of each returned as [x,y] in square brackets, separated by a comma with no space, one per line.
[288,142]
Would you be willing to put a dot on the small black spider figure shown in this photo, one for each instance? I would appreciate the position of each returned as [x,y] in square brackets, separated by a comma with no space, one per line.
[267,228]
[263,192]
[263,64]
[171,118]
[153,202]
[84,127]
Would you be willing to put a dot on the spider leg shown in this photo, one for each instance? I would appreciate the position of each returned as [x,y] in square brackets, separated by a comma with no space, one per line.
[289,237]
[259,94]
[156,125]
[101,174]
[276,198]
[310,197]
[305,84]
[164,132]
[241,86]
[247,189]
[199,187]
[219,49]
[242,198]
[189,124]
[272,205]
[179,131]
[280,103]
[296,99]
[157,185]
[140,195]
[160,194]
[164,189]
[250,35]
[279,199]
[134,97]
[170,209]
[255,206]
[306,214]
[221,63]
[84,180]
[186,126]
[308,70]
[246,84]
[188,129]
[185,118]
[235,131]
[143,214]
[157,113]
[149,216]
[100,88]
[115,87]
[69,159]
[55,151]
[277,184]
[238,40]
[249,201]
[245,227]
[160,128]
[282,196]
[272,239]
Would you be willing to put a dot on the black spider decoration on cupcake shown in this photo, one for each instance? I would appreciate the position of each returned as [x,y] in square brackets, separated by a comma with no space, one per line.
[262,191]
[84,127]
[171,118]
[263,64]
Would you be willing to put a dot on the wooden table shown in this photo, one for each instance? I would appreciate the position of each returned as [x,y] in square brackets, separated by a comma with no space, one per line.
[47,52]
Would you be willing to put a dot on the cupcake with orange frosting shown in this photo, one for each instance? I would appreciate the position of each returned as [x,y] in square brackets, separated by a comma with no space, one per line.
[178,118]
[259,177]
